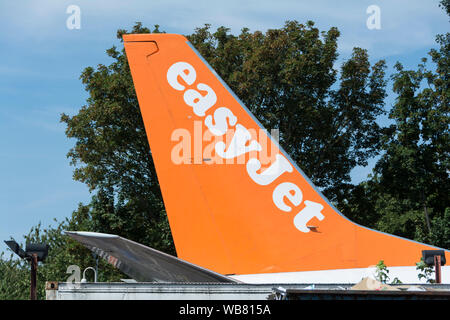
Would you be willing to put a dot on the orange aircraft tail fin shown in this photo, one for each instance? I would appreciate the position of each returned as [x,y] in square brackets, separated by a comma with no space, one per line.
[236,202]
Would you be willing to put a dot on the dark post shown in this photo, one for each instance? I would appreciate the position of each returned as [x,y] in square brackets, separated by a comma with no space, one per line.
[437,268]
[34,253]
[34,265]
[435,258]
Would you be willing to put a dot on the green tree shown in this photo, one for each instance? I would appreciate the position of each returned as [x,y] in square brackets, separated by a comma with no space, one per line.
[14,279]
[63,252]
[410,187]
[112,156]
[414,168]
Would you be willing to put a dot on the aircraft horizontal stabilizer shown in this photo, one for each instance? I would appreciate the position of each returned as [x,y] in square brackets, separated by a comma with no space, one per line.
[143,263]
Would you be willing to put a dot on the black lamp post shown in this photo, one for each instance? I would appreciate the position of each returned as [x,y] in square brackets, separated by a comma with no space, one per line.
[34,252]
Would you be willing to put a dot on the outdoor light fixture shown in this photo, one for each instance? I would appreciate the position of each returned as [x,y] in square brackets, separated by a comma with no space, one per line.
[40,249]
[435,258]
[84,274]
[34,252]
[14,246]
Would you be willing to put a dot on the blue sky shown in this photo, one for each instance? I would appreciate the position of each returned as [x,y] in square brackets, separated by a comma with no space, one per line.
[41,61]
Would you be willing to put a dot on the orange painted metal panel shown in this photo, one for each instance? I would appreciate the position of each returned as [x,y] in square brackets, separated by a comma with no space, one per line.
[228,217]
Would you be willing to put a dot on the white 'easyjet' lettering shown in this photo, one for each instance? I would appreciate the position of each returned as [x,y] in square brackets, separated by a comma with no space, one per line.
[240,145]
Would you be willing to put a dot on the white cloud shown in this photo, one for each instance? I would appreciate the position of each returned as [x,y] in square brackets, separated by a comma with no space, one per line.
[406,24]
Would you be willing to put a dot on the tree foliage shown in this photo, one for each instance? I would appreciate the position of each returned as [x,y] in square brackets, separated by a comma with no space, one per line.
[63,252]
[408,194]
[112,156]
